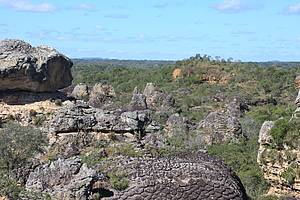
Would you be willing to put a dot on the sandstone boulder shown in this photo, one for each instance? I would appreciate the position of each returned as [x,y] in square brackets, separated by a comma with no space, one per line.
[36,69]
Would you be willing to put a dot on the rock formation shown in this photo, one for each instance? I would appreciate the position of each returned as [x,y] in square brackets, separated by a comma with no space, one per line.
[101,95]
[281,163]
[220,128]
[156,98]
[80,91]
[186,176]
[62,179]
[36,69]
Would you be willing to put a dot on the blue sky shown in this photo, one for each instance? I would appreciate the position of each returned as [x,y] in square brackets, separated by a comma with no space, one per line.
[250,30]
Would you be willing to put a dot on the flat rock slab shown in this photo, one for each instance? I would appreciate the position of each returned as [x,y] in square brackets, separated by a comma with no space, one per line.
[35,69]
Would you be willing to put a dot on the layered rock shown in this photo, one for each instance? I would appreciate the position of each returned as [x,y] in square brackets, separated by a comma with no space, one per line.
[219,128]
[75,118]
[280,162]
[186,176]
[281,168]
[62,179]
[36,69]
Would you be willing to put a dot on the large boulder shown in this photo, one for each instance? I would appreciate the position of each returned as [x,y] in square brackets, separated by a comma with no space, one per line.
[186,176]
[36,69]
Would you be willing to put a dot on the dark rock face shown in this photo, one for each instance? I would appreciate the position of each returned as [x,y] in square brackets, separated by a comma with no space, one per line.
[62,179]
[188,176]
[220,128]
[36,69]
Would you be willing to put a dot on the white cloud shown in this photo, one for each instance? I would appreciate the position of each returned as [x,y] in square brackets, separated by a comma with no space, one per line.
[27,6]
[229,6]
[293,9]
[86,7]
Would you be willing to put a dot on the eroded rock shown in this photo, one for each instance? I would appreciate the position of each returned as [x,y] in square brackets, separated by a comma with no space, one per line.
[36,69]
[186,176]
[62,179]
[219,128]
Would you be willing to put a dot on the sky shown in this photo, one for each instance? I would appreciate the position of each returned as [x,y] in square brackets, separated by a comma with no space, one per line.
[248,30]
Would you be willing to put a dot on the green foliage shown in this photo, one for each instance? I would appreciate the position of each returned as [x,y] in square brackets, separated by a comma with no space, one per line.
[18,144]
[125,149]
[268,198]
[286,131]
[118,179]
[291,173]
[39,120]
[9,187]
[242,158]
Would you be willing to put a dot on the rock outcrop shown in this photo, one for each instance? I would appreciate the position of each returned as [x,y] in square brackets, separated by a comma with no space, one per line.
[75,118]
[156,98]
[219,128]
[80,91]
[36,69]
[280,161]
[62,179]
[281,168]
[186,176]
[101,95]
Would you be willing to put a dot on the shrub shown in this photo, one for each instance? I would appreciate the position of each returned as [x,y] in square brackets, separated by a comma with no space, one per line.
[18,144]
[290,174]
[118,179]
[242,158]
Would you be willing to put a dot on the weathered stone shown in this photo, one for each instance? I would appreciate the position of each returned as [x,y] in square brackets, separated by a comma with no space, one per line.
[76,118]
[62,179]
[220,128]
[184,176]
[138,101]
[36,69]
[177,125]
[155,98]
[237,107]
[101,95]
[81,91]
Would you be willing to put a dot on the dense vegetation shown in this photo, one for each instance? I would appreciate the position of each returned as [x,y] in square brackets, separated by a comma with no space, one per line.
[18,146]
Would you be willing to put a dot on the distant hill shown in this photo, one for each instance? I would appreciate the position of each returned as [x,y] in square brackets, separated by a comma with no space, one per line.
[123,63]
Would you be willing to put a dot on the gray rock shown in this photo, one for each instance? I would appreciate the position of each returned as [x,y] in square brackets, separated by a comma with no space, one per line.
[62,179]
[36,69]
[76,118]
[237,107]
[156,98]
[220,128]
[101,95]
[138,101]
[184,176]
[177,125]
[80,91]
